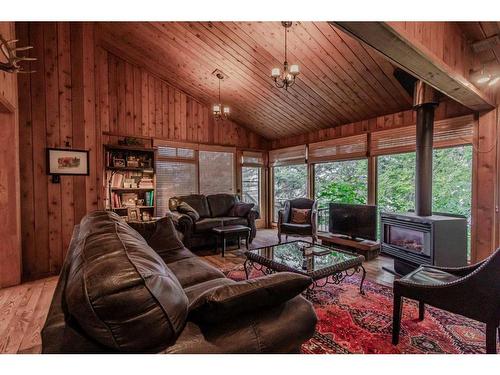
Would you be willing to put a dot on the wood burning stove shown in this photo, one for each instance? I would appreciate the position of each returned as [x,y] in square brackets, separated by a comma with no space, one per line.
[439,239]
[423,237]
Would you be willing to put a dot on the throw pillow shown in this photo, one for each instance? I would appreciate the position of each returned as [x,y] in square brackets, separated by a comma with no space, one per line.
[185,208]
[241,209]
[231,301]
[301,216]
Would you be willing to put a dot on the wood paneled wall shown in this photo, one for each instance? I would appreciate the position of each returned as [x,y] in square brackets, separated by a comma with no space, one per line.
[10,226]
[56,110]
[135,102]
[486,185]
[81,96]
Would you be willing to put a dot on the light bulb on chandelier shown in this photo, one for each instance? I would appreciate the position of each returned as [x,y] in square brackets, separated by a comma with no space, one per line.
[220,111]
[286,78]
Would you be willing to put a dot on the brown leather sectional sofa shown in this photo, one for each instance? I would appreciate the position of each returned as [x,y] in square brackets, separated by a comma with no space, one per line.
[141,291]
[213,210]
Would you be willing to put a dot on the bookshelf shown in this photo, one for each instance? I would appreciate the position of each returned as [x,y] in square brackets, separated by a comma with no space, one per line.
[130,181]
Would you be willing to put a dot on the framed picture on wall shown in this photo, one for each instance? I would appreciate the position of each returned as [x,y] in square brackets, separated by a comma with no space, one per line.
[67,162]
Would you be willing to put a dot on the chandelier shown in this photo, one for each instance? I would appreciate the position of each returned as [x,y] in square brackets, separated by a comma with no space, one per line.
[286,78]
[220,112]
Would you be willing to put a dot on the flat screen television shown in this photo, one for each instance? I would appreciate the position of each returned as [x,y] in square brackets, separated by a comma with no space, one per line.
[354,220]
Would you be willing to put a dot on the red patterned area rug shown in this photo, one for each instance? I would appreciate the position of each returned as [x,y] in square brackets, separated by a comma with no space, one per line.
[349,322]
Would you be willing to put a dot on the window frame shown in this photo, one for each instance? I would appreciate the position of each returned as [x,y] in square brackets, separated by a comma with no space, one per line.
[195,159]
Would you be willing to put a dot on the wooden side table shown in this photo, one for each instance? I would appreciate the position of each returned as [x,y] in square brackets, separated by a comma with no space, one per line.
[222,233]
[369,249]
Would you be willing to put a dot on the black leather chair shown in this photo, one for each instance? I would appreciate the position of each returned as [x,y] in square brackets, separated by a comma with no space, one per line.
[472,291]
[286,227]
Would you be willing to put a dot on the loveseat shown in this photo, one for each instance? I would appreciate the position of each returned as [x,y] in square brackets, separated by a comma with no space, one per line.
[212,210]
[126,290]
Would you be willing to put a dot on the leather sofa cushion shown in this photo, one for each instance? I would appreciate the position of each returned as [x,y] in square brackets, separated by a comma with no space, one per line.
[192,271]
[177,254]
[281,329]
[235,221]
[161,235]
[211,222]
[241,209]
[185,208]
[429,276]
[220,204]
[119,290]
[296,228]
[207,224]
[229,301]
[198,202]
[196,290]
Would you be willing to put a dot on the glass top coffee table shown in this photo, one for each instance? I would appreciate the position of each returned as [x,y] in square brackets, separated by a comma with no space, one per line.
[325,265]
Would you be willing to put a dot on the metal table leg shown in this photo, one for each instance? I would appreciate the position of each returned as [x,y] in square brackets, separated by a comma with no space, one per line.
[362,280]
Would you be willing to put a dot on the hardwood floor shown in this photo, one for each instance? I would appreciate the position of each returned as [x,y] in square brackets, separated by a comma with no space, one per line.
[23,308]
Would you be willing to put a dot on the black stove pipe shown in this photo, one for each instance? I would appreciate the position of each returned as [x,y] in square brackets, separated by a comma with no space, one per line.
[424,102]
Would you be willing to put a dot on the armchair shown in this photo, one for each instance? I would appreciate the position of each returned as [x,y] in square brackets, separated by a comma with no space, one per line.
[472,291]
[285,225]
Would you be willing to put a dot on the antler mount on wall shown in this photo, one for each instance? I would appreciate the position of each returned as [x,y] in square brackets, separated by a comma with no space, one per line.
[9,62]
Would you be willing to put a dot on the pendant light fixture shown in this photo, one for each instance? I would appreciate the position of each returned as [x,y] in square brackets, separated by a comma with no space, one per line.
[286,78]
[220,112]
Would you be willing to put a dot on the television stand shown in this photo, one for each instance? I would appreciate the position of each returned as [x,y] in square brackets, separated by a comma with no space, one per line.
[369,249]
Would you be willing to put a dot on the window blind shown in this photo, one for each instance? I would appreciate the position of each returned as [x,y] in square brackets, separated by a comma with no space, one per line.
[288,156]
[449,132]
[173,178]
[216,172]
[338,149]
[175,152]
[252,158]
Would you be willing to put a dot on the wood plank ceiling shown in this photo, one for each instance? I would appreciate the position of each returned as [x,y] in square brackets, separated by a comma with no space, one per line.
[341,80]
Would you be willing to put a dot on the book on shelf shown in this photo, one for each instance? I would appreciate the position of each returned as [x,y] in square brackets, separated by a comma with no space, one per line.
[117,202]
[146,183]
[117,180]
[149,198]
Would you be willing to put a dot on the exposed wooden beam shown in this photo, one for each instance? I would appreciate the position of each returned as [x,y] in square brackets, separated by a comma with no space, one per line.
[486,44]
[417,60]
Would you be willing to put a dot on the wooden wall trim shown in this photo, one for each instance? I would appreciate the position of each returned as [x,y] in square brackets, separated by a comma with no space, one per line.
[485,226]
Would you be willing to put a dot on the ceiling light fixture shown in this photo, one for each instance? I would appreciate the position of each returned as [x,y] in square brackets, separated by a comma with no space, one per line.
[220,112]
[494,81]
[286,78]
[480,76]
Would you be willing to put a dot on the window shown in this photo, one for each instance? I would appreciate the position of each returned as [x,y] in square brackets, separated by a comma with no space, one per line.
[250,184]
[251,177]
[290,181]
[289,175]
[342,182]
[452,182]
[396,182]
[176,174]
[216,172]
